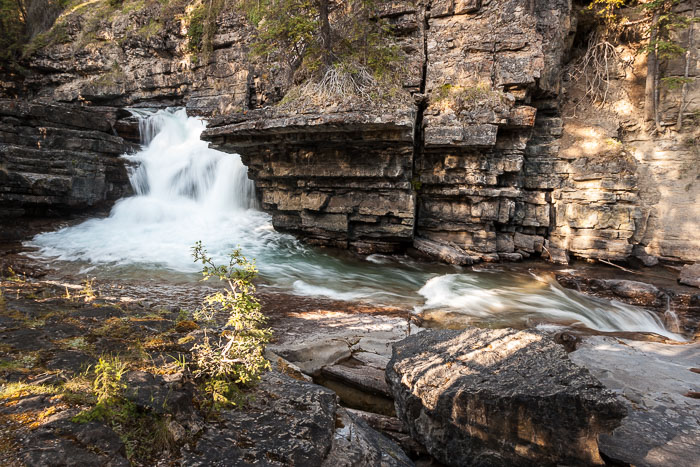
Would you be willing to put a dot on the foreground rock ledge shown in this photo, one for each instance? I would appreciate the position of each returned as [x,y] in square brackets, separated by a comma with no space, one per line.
[499,397]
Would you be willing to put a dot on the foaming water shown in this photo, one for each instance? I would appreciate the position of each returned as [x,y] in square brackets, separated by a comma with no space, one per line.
[186,192]
[497,298]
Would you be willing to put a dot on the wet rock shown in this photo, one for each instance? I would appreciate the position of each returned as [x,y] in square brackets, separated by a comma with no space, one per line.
[446,253]
[661,428]
[678,305]
[690,275]
[355,444]
[639,293]
[284,422]
[496,397]
[632,292]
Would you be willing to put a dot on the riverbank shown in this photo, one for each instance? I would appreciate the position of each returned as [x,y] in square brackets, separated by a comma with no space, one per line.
[55,328]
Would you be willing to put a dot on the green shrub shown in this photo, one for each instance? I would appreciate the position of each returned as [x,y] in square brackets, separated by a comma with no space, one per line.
[108,382]
[359,51]
[235,359]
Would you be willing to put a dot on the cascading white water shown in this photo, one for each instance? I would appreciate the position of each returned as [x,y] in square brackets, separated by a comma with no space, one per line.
[186,192]
[475,296]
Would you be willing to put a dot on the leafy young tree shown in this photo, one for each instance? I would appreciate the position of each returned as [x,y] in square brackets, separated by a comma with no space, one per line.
[661,24]
[237,358]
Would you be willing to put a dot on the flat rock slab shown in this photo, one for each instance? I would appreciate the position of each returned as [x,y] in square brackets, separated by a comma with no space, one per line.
[25,339]
[690,275]
[663,425]
[69,361]
[315,339]
[365,378]
[499,397]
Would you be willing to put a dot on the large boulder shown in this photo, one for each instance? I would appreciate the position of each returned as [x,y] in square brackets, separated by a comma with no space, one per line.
[499,397]
[284,422]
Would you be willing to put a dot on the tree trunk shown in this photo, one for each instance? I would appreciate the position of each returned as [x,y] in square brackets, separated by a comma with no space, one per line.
[652,67]
[22,11]
[657,90]
[325,33]
[688,57]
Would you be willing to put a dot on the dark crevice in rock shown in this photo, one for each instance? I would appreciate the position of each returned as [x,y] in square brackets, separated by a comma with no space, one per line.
[418,131]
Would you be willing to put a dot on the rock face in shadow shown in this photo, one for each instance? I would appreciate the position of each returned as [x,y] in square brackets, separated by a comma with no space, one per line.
[499,397]
[341,179]
[56,159]
[356,444]
[655,381]
[291,422]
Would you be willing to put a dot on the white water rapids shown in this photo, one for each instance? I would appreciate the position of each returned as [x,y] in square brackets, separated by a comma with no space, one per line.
[186,192]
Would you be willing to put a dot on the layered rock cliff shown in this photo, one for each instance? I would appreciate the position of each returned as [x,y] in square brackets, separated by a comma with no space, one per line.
[487,153]
[502,167]
[55,160]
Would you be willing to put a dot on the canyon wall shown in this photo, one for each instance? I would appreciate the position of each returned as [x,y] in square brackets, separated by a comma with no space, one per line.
[487,153]
[56,160]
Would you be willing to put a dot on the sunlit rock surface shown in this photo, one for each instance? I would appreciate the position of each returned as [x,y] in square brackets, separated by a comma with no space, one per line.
[656,382]
[499,397]
[690,275]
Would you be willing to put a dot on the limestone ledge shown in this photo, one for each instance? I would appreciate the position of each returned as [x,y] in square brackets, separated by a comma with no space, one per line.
[340,179]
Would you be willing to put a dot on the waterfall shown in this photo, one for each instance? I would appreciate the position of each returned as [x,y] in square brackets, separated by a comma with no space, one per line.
[184,192]
[176,166]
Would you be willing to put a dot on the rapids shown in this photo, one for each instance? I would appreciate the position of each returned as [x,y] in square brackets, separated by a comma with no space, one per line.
[185,192]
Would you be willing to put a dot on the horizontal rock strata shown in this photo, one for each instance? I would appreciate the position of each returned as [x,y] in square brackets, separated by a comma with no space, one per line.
[340,179]
[56,159]
[465,165]
[493,153]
